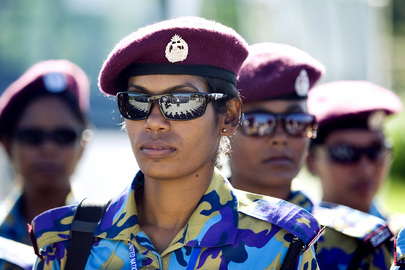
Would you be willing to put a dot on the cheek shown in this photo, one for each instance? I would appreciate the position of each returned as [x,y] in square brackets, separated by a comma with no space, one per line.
[73,155]
[22,157]
[242,144]
[330,174]
[300,147]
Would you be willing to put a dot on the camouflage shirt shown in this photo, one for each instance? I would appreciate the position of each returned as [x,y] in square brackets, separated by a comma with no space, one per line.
[399,262]
[349,234]
[229,229]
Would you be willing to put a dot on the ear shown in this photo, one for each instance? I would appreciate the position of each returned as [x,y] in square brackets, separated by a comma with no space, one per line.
[87,137]
[232,117]
[7,145]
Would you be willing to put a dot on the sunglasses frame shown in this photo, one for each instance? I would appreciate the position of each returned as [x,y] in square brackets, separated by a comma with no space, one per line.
[310,131]
[208,97]
[48,135]
[358,152]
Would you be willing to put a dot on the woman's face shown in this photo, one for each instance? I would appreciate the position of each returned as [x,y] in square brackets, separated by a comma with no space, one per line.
[259,164]
[167,149]
[46,166]
[354,184]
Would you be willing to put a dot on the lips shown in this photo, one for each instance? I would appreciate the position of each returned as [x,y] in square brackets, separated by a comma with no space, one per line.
[156,149]
[47,167]
[278,160]
[362,187]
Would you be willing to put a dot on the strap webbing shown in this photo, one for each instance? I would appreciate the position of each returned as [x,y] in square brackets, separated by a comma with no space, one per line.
[294,251]
[85,221]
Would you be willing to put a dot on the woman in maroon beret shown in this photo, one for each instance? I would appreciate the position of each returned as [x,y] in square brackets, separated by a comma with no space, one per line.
[175,87]
[351,157]
[42,124]
[271,145]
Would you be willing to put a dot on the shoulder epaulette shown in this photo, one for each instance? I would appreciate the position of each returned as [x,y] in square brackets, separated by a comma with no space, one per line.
[354,223]
[399,253]
[288,216]
[52,226]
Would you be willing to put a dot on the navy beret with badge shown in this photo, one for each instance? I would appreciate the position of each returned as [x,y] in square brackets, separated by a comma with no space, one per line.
[277,71]
[185,45]
[45,77]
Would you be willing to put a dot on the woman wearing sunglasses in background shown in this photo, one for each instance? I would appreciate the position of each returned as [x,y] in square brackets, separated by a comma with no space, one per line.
[352,157]
[42,121]
[175,87]
[272,142]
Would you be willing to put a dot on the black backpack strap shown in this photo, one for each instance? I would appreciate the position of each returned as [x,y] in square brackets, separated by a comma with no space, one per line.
[87,216]
[294,251]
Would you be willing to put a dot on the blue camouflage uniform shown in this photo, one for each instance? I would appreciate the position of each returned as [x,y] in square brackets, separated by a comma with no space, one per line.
[348,232]
[13,225]
[301,199]
[230,229]
[399,260]
[352,239]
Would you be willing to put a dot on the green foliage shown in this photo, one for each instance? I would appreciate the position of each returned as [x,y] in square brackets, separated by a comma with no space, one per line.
[395,130]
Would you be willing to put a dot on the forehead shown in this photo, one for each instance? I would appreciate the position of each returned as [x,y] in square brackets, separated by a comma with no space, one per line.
[355,136]
[164,83]
[47,111]
[277,106]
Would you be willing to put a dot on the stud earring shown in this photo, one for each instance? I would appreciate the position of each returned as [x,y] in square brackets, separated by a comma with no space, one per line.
[224,130]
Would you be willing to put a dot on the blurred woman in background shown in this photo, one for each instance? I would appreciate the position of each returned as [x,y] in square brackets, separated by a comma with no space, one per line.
[43,127]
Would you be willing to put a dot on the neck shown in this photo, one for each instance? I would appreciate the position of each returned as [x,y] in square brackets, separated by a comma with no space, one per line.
[170,203]
[165,206]
[34,202]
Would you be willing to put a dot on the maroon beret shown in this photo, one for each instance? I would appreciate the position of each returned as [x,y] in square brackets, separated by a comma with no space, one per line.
[51,76]
[186,45]
[351,104]
[277,71]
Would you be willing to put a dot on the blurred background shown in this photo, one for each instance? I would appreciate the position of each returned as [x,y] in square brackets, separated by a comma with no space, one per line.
[354,39]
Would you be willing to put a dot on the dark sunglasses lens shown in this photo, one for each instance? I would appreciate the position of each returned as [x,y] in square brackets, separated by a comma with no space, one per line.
[298,124]
[37,137]
[343,153]
[31,136]
[133,106]
[377,152]
[259,124]
[64,136]
[183,106]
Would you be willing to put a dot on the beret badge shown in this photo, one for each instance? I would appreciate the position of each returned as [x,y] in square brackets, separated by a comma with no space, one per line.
[54,82]
[302,83]
[176,49]
[376,119]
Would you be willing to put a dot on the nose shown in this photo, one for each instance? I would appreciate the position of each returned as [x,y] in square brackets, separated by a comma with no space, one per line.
[366,165]
[156,120]
[49,147]
[279,136]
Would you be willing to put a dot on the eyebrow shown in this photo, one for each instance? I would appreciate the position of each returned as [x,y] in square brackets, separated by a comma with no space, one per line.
[176,88]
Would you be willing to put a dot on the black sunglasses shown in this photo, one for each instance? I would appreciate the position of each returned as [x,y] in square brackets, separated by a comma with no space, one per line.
[345,153]
[36,136]
[262,124]
[173,106]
